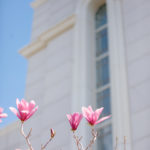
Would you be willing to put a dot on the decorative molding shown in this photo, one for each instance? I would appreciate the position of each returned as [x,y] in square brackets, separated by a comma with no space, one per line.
[47,36]
[37,3]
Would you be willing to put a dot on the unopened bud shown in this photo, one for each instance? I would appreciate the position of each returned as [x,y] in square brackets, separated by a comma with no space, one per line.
[52,133]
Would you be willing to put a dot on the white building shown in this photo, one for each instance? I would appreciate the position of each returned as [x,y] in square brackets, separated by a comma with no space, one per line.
[88,52]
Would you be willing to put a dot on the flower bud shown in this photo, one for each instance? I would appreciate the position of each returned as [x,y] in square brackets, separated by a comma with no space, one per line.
[52,133]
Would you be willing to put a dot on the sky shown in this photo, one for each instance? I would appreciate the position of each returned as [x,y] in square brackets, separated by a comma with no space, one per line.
[15,32]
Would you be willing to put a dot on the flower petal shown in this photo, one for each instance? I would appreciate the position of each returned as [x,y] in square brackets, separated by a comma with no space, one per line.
[14,111]
[24,114]
[90,109]
[102,119]
[17,102]
[3,115]
[24,104]
[31,105]
[87,114]
[69,117]
[32,112]
[98,112]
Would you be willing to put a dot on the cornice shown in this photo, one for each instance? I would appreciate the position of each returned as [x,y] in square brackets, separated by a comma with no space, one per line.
[37,3]
[47,36]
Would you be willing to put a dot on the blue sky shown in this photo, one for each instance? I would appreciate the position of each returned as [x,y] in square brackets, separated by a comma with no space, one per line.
[15,32]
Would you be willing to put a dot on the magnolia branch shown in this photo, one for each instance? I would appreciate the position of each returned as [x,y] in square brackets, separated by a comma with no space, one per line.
[52,132]
[78,143]
[26,136]
[116,143]
[94,134]
[124,143]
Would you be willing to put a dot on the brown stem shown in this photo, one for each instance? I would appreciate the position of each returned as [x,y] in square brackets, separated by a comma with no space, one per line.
[43,147]
[116,143]
[77,139]
[26,137]
[94,134]
[124,143]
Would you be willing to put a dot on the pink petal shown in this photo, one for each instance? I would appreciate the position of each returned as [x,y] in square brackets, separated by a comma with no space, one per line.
[0,120]
[24,104]
[69,117]
[32,112]
[90,109]
[3,115]
[102,119]
[86,113]
[98,112]
[75,117]
[14,111]
[31,105]
[17,102]
[24,114]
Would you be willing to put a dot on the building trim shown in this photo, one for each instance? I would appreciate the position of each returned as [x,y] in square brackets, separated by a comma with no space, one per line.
[37,3]
[47,36]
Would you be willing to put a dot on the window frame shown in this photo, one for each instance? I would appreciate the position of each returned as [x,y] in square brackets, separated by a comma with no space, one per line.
[100,57]
[83,85]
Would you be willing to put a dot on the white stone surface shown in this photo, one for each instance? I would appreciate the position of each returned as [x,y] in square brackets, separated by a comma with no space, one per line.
[137,36]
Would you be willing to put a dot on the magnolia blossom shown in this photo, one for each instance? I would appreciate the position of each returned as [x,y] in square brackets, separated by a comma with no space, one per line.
[25,109]
[2,115]
[92,117]
[74,120]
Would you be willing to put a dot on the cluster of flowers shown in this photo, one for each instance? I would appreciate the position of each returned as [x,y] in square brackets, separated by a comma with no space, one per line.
[25,110]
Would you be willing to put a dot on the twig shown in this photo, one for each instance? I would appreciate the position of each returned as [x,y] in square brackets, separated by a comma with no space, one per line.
[78,143]
[124,142]
[94,134]
[52,136]
[26,137]
[116,143]
[43,147]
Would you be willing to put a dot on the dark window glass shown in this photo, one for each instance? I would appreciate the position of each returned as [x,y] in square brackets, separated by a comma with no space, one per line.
[104,140]
[103,100]
[101,16]
[101,42]
[102,72]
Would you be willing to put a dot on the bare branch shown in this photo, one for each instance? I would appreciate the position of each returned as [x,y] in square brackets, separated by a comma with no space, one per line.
[94,134]
[124,142]
[26,137]
[51,137]
[116,147]
[78,143]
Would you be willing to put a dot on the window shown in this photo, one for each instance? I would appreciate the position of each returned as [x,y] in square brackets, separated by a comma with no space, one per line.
[102,86]
[109,91]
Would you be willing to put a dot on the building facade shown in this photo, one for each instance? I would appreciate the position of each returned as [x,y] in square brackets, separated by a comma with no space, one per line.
[88,52]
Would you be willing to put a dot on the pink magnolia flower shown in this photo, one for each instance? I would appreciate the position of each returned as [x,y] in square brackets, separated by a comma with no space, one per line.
[2,115]
[25,109]
[92,117]
[74,120]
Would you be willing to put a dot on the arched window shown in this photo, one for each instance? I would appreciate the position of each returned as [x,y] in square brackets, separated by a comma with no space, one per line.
[103,86]
[100,72]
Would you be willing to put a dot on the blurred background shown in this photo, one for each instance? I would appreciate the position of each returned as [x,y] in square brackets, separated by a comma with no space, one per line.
[15,32]
[75,53]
